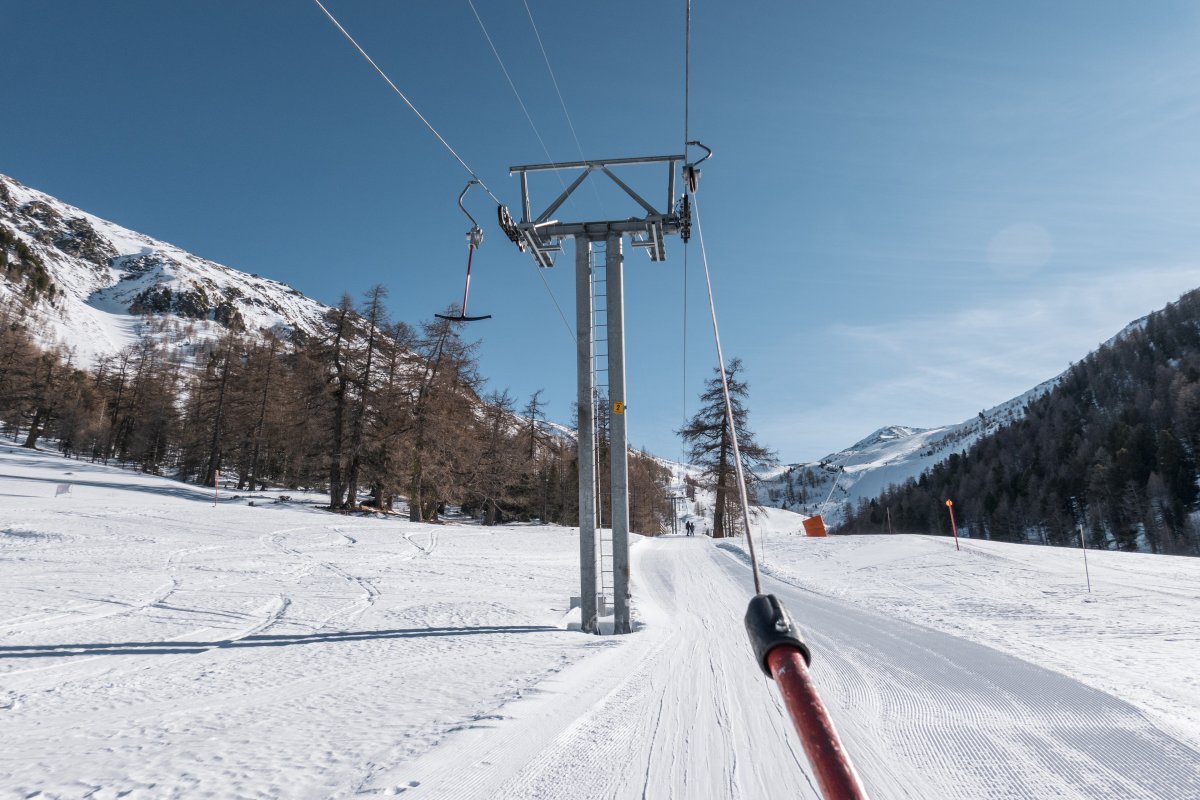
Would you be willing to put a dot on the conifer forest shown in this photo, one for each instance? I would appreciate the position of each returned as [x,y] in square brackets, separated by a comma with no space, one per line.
[1111,450]
[369,410]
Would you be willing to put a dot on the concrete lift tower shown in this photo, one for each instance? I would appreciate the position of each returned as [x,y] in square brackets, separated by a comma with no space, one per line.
[543,236]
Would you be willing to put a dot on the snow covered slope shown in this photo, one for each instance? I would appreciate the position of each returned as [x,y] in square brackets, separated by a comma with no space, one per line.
[888,456]
[104,280]
[155,644]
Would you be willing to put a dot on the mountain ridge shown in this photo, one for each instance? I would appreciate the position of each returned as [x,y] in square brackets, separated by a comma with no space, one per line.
[888,455]
[894,453]
[1108,456]
[91,284]
[96,286]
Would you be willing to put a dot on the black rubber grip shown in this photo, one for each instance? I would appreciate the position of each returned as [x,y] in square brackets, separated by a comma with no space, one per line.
[769,626]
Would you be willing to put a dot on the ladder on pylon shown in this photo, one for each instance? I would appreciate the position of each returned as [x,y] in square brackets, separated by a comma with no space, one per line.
[604,540]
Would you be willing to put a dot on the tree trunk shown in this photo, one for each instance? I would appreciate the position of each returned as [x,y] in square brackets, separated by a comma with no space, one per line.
[40,417]
[214,452]
[336,490]
[723,483]
[262,414]
[414,494]
[383,496]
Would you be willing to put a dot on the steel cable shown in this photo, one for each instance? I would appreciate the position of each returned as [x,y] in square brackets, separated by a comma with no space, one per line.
[407,102]
[737,455]
[445,144]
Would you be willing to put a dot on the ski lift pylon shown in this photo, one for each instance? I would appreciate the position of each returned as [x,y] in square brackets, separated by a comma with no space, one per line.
[474,240]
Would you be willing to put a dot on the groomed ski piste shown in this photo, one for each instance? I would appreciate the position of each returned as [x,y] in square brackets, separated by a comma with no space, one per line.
[154,643]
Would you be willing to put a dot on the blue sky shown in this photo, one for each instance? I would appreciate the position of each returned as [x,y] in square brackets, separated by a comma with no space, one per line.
[915,211]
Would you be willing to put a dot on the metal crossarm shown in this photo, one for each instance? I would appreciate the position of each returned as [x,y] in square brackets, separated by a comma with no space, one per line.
[544,235]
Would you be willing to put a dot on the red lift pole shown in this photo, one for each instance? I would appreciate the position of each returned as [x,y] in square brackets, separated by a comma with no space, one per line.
[828,758]
[783,656]
[953,527]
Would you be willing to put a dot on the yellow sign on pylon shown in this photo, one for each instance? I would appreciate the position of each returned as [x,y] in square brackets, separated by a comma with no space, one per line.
[618,407]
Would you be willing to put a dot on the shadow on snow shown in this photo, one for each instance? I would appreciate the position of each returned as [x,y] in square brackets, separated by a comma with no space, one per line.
[169,648]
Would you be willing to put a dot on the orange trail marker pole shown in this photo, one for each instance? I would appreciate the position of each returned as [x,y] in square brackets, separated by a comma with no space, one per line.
[953,527]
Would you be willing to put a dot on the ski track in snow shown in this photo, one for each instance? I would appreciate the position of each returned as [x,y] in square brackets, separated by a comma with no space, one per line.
[672,711]
[679,710]
[347,613]
[976,719]
[157,646]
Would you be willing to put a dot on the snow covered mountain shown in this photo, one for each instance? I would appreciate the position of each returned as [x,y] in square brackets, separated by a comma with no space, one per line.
[888,456]
[94,286]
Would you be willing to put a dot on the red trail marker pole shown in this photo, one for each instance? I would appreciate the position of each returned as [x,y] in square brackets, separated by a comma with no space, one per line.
[953,527]
[1083,547]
